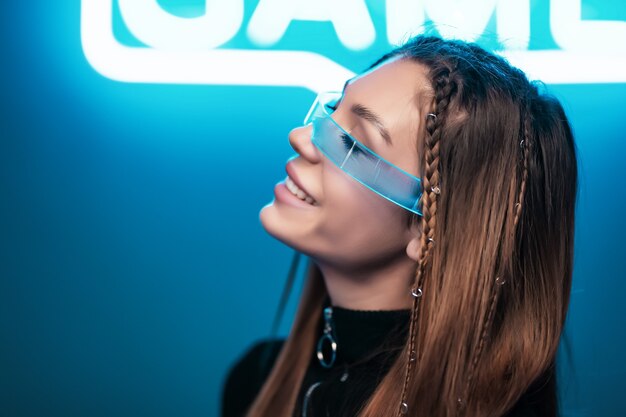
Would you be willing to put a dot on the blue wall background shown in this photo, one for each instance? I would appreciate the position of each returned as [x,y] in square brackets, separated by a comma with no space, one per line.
[133,268]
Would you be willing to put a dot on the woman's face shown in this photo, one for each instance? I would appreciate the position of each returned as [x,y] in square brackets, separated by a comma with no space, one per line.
[348,226]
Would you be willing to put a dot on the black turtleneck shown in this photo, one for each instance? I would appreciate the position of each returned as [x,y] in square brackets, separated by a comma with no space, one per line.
[367,344]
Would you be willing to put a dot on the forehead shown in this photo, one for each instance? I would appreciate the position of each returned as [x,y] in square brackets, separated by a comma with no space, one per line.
[397,80]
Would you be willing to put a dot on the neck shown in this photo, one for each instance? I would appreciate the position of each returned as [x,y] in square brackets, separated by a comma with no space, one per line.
[384,287]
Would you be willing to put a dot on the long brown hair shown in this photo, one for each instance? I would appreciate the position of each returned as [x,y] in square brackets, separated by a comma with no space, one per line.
[493,278]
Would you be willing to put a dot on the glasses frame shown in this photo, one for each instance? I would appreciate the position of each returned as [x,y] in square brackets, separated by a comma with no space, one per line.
[321,102]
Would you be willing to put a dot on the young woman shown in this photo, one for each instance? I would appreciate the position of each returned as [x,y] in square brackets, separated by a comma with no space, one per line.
[435,200]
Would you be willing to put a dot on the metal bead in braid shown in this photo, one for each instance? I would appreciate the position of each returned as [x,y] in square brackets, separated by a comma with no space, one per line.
[412,357]
[431,189]
[499,281]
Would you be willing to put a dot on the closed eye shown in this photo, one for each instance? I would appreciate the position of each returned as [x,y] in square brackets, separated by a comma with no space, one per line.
[351,144]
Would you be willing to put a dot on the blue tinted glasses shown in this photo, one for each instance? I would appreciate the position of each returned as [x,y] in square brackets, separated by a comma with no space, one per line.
[357,160]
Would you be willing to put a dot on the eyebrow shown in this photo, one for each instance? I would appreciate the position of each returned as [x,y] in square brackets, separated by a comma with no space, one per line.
[367,114]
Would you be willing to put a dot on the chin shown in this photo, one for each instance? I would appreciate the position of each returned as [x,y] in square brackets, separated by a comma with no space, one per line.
[271,222]
[279,230]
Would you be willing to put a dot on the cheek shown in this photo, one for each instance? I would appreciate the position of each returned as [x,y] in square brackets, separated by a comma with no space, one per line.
[358,222]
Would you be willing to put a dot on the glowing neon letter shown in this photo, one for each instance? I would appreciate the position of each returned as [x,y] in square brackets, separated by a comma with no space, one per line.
[572,33]
[404,18]
[350,18]
[464,19]
[159,29]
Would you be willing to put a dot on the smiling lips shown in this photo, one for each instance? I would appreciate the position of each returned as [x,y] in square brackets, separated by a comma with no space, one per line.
[295,190]
[295,187]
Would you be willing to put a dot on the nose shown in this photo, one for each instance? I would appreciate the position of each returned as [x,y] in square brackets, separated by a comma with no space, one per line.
[300,141]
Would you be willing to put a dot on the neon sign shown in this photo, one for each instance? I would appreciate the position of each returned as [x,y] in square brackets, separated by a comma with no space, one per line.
[188,50]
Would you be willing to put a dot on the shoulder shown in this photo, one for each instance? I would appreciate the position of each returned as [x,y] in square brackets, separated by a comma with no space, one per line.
[246,376]
[540,399]
[522,409]
[529,406]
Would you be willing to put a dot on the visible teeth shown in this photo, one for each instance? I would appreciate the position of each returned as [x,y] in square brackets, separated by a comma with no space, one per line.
[291,186]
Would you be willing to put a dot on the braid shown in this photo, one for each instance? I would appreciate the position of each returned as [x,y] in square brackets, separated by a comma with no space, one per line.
[485,326]
[525,145]
[444,89]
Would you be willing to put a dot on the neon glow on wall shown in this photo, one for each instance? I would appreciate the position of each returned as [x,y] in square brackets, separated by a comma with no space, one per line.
[188,50]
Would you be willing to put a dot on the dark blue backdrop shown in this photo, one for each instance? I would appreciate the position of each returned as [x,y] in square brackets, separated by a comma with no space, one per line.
[133,268]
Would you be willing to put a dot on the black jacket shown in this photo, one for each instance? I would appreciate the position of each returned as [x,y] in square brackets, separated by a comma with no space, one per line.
[368,341]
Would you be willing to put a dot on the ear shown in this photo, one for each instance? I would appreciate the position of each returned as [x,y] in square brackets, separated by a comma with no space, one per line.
[413,247]
[414,242]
